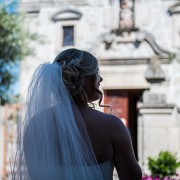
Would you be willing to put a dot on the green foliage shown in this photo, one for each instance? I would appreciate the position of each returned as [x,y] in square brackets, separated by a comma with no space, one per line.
[165,165]
[14,47]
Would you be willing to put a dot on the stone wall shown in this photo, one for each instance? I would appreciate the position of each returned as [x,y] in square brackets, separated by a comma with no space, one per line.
[97,19]
[159,130]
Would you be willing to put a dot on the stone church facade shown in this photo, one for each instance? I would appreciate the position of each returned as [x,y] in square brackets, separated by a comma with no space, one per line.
[137,43]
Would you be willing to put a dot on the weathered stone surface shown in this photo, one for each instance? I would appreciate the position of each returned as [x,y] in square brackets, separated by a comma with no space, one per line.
[154,99]
[154,73]
[158,131]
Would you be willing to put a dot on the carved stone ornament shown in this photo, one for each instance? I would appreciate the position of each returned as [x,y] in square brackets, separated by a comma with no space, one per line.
[126,14]
[155,73]
[66,14]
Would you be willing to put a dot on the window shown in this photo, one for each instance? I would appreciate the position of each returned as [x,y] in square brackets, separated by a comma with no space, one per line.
[68,35]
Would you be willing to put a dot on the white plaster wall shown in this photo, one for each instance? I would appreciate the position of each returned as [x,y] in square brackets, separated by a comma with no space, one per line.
[176,31]
[174,84]
[153,16]
[58,1]
[124,77]
[93,23]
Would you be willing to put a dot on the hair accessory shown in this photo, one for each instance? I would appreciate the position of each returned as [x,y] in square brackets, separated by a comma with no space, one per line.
[73,62]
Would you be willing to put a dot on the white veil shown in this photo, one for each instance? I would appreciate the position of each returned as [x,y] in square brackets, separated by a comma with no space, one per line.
[53,143]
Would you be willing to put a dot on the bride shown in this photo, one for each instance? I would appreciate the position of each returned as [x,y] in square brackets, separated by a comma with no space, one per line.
[62,136]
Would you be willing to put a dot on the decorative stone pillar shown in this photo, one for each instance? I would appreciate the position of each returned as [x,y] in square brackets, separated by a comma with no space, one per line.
[155,125]
[155,76]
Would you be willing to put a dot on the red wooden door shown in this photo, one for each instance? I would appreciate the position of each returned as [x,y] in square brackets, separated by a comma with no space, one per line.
[119,102]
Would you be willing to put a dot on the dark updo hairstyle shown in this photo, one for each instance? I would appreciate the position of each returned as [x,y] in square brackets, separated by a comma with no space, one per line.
[77,64]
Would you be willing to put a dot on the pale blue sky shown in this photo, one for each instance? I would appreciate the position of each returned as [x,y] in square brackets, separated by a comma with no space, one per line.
[12,7]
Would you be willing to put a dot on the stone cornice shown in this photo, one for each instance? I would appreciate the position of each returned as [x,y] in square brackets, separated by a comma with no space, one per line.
[161,109]
[130,61]
[174,9]
[159,51]
[136,38]
[29,6]
[66,14]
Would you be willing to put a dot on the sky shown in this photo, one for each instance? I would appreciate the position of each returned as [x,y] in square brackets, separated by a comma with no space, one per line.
[12,7]
[15,88]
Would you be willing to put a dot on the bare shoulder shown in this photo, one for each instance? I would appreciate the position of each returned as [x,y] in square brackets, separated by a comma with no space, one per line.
[113,121]
[99,113]
[117,129]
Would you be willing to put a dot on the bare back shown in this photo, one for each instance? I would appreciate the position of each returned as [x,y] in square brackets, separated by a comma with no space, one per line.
[111,141]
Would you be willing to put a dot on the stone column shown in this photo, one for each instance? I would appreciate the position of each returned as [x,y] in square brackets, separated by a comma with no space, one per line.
[155,124]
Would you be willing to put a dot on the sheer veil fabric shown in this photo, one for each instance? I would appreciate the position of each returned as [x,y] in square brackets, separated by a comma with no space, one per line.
[53,143]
